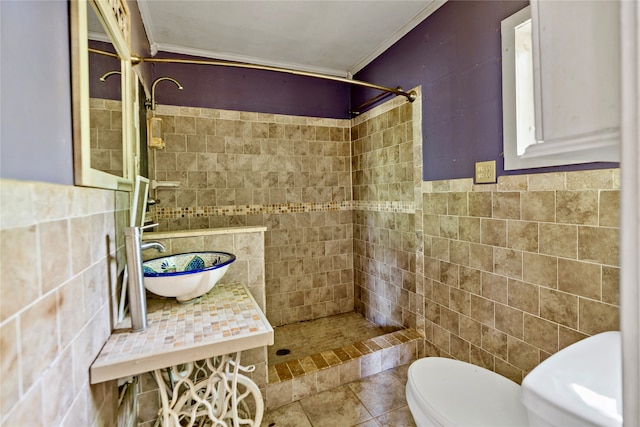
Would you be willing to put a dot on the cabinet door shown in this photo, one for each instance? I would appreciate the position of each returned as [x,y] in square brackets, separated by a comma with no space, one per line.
[576,49]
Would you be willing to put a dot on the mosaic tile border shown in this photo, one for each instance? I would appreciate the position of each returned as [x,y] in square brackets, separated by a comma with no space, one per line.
[234,210]
[323,371]
[337,356]
[384,206]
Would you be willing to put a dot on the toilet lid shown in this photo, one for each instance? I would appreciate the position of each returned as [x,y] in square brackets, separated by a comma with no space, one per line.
[456,393]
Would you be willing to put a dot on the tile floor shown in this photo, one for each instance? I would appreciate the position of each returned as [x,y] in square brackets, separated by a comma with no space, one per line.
[314,336]
[375,401]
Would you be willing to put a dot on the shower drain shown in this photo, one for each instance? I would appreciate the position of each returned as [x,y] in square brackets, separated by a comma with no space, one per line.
[283,352]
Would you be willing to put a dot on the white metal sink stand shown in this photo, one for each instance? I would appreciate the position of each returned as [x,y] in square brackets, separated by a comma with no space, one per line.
[209,392]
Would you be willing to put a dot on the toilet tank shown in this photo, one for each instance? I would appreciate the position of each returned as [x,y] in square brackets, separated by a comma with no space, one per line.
[580,385]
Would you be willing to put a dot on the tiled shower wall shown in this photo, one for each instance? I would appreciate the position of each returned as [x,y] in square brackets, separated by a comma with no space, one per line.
[290,174]
[60,259]
[106,135]
[386,174]
[515,271]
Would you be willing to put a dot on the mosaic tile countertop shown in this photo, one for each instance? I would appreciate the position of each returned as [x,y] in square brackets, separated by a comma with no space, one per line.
[223,321]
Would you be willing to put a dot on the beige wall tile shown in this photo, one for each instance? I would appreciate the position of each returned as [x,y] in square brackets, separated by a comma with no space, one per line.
[577,207]
[39,339]
[541,333]
[580,278]
[512,182]
[480,204]
[460,301]
[569,336]
[547,181]
[9,367]
[469,229]
[522,355]
[509,320]
[441,338]
[482,310]
[470,280]
[80,228]
[609,208]
[599,244]
[559,240]
[481,358]
[590,179]
[55,264]
[471,330]
[596,317]
[539,206]
[611,285]
[559,307]
[19,280]
[70,306]
[460,349]
[540,269]
[507,262]
[506,205]
[457,204]
[494,287]
[508,370]
[448,227]
[493,232]
[523,296]
[54,409]
[522,235]
[28,409]
[494,341]
[481,257]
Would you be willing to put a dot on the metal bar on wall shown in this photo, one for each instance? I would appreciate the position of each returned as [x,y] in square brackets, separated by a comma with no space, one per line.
[411,96]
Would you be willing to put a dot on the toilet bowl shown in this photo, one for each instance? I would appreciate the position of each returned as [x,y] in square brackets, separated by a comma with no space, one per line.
[580,385]
[447,392]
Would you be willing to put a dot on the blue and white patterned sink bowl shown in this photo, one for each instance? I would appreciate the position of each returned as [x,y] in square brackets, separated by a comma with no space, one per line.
[185,276]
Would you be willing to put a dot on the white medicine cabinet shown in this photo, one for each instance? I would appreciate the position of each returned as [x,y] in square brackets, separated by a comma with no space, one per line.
[561,84]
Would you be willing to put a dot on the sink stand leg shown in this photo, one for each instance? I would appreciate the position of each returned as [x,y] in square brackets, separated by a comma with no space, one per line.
[209,392]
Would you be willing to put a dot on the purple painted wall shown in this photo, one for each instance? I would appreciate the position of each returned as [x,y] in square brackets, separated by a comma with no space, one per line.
[35,92]
[455,54]
[140,44]
[111,88]
[250,90]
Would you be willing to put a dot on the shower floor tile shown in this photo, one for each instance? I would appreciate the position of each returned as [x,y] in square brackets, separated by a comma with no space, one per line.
[315,336]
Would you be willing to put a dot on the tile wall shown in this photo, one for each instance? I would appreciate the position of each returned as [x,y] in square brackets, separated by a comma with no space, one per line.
[61,258]
[385,169]
[290,174]
[501,275]
[106,135]
[515,271]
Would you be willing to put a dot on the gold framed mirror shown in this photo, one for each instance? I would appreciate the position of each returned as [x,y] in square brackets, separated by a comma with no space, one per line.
[103,131]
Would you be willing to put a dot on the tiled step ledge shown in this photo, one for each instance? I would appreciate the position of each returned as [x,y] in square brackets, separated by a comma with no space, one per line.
[297,379]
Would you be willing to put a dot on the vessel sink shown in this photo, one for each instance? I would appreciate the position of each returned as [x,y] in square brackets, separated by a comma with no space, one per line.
[185,276]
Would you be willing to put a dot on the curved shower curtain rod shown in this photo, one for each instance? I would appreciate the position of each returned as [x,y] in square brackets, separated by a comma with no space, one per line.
[411,96]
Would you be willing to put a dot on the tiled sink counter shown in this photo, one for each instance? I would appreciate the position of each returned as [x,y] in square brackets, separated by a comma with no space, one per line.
[212,332]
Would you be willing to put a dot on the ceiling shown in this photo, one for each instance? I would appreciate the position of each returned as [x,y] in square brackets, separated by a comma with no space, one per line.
[330,37]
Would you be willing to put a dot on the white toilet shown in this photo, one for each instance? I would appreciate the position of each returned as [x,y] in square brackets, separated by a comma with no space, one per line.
[580,385]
